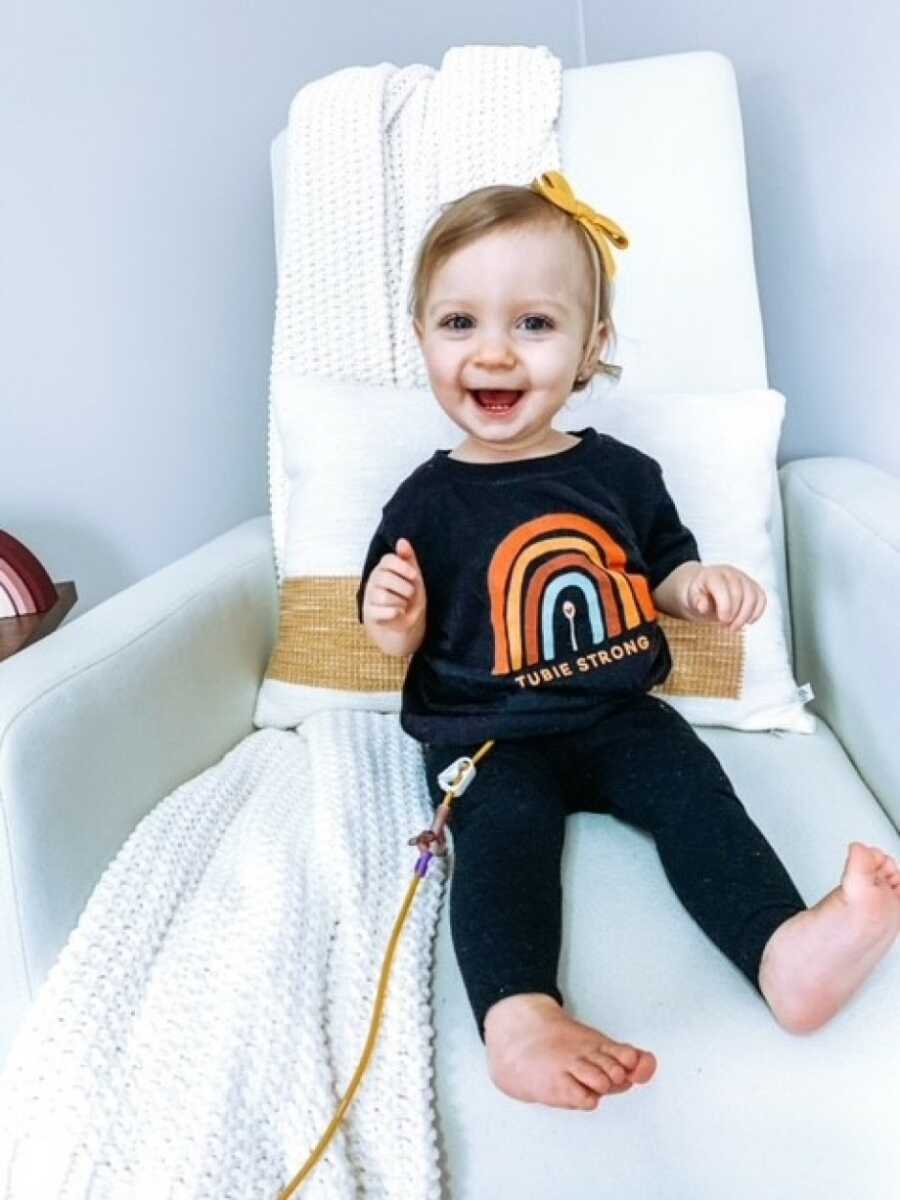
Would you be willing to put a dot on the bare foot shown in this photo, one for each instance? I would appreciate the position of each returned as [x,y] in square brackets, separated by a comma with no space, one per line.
[814,962]
[538,1053]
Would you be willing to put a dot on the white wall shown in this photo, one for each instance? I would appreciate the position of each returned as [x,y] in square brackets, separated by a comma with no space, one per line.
[821,111]
[138,263]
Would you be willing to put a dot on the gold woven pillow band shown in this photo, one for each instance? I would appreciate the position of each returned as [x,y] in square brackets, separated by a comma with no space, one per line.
[322,645]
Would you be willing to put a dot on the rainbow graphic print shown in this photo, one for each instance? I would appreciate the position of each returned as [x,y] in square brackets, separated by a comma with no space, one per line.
[535,564]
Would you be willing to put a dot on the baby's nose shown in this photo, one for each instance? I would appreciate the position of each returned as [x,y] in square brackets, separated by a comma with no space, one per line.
[494,348]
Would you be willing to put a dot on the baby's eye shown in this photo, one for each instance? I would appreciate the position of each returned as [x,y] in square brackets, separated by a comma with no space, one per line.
[448,322]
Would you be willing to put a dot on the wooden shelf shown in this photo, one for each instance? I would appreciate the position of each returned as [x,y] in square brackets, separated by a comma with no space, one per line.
[18,632]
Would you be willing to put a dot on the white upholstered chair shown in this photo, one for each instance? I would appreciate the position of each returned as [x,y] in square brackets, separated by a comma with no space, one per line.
[138,695]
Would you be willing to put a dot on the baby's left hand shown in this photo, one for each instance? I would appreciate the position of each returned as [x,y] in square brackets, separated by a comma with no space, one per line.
[726,595]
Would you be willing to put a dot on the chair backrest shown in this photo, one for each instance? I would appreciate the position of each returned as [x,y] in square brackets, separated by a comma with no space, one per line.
[657,144]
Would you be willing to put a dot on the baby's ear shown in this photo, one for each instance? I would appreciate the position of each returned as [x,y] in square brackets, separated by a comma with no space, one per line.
[593,351]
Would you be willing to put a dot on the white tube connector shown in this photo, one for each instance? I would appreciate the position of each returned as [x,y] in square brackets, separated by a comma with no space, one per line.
[457,776]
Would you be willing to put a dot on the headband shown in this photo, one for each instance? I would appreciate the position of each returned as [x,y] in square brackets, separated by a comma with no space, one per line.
[554,186]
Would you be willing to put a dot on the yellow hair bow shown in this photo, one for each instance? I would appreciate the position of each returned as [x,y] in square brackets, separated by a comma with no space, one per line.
[554,186]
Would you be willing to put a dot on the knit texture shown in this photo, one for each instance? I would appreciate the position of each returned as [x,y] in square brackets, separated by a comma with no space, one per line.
[196,1034]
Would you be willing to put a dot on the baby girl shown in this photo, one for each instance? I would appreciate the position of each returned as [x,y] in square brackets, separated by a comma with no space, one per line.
[523,572]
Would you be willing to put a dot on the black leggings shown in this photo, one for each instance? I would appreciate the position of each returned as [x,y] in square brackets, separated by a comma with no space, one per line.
[644,764]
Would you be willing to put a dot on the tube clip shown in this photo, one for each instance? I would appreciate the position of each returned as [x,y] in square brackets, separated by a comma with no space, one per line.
[457,777]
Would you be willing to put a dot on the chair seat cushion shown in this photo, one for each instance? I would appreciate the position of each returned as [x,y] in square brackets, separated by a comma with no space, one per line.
[738,1107]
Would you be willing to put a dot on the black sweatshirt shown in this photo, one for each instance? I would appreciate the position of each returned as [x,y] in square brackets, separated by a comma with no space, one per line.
[538,575]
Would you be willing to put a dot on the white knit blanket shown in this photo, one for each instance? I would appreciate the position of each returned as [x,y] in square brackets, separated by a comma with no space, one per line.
[201,1024]
[196,1034]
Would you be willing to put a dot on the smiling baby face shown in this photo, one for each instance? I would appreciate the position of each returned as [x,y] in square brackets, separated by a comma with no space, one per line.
[503,336]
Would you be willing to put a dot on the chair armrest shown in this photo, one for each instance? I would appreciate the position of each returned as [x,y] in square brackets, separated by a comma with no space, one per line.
[842,521]
[108,715]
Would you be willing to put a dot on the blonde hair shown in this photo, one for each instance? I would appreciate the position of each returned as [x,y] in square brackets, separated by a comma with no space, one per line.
[505,206]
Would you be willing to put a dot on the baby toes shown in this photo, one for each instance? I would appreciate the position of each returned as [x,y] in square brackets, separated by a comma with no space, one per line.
[883,861]
[607,1063]
[887,873]
[628,1057]
[591,1075]
[581,1095]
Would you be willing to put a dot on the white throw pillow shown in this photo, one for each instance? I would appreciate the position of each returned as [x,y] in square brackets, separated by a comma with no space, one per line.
[347,446]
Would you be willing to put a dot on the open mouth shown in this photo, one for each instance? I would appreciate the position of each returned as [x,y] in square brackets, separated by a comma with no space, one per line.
[497,401]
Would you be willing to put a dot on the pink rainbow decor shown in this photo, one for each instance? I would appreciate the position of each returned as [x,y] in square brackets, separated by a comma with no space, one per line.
[25,587]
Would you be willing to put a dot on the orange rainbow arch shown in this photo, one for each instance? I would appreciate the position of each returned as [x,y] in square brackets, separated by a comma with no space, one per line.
[540,558]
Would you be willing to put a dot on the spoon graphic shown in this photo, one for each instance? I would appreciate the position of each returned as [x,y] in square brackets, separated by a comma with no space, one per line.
[569,612]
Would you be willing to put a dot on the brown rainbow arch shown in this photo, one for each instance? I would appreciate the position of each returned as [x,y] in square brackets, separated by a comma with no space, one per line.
[567,541]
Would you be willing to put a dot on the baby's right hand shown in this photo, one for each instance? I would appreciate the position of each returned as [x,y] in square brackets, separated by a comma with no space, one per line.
[395,593]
